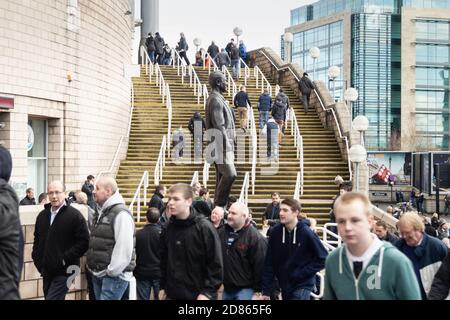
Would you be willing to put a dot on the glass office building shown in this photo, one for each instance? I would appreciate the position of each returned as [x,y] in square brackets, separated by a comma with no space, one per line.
[375,67]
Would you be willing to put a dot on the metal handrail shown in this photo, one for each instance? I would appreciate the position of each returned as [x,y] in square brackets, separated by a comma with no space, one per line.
[282,68]
[160,82]
[243,198]
[321,285]
[341,136]
[169,118]
[176,60]
[232,88]
[211,60]
[335,243]
[161,162]
[205,95]
[137,196]
[297,187]
[247,72]
[258,75]
[206,167]
[194,79]
[194,178]
[298,143]
[254,134]
[147,62]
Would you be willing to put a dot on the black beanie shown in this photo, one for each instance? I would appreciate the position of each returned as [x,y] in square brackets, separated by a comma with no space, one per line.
[5,164]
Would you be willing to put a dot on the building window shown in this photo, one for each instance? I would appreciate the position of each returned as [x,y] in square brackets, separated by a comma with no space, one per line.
[38,156]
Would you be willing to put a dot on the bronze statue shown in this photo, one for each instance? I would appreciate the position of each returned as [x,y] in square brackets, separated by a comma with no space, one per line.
[220,132]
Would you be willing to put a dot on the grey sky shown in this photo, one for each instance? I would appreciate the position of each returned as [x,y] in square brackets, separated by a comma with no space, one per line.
[262,21]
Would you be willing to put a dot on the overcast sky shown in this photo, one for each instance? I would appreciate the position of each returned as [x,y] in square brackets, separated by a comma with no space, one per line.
[262,21]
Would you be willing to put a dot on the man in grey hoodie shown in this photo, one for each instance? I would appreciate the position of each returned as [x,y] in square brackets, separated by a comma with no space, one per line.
[111,256]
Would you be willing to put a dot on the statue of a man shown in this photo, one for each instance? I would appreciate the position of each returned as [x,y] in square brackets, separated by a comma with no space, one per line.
[220,131]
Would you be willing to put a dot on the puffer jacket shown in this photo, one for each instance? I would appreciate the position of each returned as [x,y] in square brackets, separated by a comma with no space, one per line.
[11,243]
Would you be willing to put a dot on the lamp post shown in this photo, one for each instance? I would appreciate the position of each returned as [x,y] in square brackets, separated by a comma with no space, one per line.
[237,32]
[314,52]
[361,124]
[288,39]
[351,94]
[197,43]
[333,73]
[357,154]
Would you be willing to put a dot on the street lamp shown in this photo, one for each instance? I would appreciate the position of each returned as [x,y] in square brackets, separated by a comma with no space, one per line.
[361,124]
[197,43]
[357,154]
[333,73]
[288,39]
[237,32]
[314,52]
[351,94]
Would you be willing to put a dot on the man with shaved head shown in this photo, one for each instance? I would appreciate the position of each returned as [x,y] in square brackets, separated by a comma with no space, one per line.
[243,249]
[60,239]
[111,256]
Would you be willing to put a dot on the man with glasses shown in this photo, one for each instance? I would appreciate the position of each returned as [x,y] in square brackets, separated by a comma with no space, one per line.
[60,239]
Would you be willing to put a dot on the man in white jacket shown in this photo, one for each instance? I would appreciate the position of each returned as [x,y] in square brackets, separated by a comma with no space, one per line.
[111,255]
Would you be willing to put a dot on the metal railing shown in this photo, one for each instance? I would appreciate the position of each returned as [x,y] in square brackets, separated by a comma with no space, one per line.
[254,144]
[265,84]
[279,69]
[195,81]
[298,143]
[161,162]
[321,285]
[143,186]
[247,72]
[232,88]
[205,95]
[194,178]
[149,67]
[341,136]
[169,118]
[206,167]
[336,240]
[243,198]
[180,64]
[211,61]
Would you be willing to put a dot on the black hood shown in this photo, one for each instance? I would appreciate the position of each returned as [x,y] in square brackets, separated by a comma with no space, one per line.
[193,218]
[9,197]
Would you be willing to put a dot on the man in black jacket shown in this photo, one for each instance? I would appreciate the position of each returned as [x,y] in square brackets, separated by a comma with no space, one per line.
[88,188]
[382,232]
[157,199]
[306,86]
[191,257]
[60,239]
[243,249]
[213,50]
[147,272]
[241,101]
[272,213]
[29,198]
[440,287]
[11,237]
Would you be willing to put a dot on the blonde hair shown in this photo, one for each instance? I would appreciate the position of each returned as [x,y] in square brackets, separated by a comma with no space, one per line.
[349,197]
[412,219]
[81,197]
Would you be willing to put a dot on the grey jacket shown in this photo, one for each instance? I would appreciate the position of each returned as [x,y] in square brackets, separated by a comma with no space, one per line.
[221,117]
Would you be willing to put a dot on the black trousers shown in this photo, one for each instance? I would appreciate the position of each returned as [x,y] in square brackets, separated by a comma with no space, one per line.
[55,288]
[183,56]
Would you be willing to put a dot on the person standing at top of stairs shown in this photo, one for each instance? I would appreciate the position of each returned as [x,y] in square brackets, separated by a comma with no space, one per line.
[182,48]
[151,47]
[306,86]
[159,44]
[234,55]
[240,102]
[213,50]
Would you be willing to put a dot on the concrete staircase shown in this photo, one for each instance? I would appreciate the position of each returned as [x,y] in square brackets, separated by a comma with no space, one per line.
[322,160]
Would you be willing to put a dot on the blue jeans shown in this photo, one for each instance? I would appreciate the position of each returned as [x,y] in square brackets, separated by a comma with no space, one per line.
[299,294]
[235,68]
[263,118]
[144,288]
[107,288]
[241,294]
[151,55]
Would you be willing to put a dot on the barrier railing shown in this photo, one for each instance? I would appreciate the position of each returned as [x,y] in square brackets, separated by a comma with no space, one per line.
[243,198]
[145,59]
[336,240]
[254,144]
[321,285]
[261,81]
[211,62]
[169,119]
[247,72]
[143,186]
[180,64]
[160,82]
[195,81]
[232,88]
[161,162]
[206,173]
[298,143]
[194,178]
[205,95]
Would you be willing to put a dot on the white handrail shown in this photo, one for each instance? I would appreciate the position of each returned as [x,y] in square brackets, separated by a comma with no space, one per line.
[264,81]
[211,60]
[297,187]
[278,69]
[205,95]
[254,134]
[321,285]
[206,173]
[247,72]
[169,118]
[160,82]
[298,143]
[161,162]
[176,60]
[243,198]
[145,59]
[338,240]
[194,178]
[194,80]
[232,88]
[341,136]
[137,196]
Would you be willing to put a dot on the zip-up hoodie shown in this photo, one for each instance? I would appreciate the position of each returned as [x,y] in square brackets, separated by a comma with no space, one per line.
[389,275]
[294,258]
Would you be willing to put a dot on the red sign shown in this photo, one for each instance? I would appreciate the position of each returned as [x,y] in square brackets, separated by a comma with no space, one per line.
[6,103]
